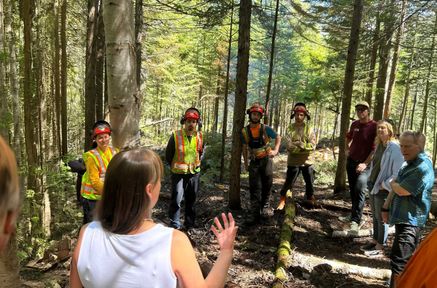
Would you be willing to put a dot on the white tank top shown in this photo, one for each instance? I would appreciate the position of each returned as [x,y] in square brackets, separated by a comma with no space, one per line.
[123,261]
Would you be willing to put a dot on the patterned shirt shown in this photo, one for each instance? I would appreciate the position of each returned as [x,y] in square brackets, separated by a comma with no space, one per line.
[417,177]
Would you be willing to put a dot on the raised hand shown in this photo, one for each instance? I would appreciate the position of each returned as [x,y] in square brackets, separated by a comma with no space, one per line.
[225,235]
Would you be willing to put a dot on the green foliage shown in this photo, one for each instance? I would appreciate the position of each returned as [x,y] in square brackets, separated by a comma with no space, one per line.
[325,172]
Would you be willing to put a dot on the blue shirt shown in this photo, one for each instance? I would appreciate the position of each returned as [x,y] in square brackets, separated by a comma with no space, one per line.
[417,177]
[268,130]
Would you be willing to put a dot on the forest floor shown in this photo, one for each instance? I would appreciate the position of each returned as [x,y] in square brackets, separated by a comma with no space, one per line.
[255,248]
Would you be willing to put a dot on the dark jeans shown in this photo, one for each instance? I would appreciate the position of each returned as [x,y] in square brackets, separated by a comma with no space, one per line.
[88,210]
[308,176]
[183,186]
[260,183]
[358,187]
[404,244]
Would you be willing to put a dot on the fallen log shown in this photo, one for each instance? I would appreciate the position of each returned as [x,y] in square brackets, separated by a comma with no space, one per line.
[285,246]
[310,262]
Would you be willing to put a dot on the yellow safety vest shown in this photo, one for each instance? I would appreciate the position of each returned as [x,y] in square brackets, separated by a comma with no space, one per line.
[308,147]
[186,159]
[87,191]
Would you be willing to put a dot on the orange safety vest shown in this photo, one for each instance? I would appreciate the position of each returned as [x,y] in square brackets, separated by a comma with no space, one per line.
[186,159]
[87,191]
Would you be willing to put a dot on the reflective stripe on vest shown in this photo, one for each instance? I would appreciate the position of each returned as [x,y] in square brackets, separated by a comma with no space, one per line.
[87,191]
[186,159]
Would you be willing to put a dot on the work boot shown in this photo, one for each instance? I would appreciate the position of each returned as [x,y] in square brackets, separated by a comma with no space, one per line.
[312,201]
[281,204]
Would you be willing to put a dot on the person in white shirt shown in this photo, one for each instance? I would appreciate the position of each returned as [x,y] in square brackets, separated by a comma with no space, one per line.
[126,248]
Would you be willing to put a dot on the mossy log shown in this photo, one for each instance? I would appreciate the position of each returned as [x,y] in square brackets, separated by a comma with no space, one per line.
[285,246]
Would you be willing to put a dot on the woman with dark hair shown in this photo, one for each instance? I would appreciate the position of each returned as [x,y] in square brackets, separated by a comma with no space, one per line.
[126,248]
[96,161]
[387,159]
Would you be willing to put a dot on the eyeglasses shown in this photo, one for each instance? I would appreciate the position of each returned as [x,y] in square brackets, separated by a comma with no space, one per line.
[360,109]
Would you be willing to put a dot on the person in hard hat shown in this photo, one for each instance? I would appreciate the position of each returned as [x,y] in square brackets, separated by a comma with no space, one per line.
[183,154]
[301,142]
[125,248]
[96,161]
[256,138]
[9,193]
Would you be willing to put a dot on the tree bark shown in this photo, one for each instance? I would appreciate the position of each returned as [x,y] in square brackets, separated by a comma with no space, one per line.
[240,101]
[124,99]
[225,101]
[30,103]
[384,53]
[57,76]
[13,82]
[340,176]
[64,77]
[407,88]
[217,100]
[373,55]
[428,78]
[4,110]
[100,61]
[90,72]
[138,38]
[394,62]
[272,58]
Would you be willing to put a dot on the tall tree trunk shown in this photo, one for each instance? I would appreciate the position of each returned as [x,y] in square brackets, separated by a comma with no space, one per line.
[57,76]
[225,102]
[30,103]
[340,176]
[407,87]
[272,58]
[100,61]
[428,77]
[124,99]
[394,62]
[373,55]
[138,38]
[413,109]
[217,100]
[4,111]
[13,82]
[384,57]
[90,72]
[64,77]
[240,101]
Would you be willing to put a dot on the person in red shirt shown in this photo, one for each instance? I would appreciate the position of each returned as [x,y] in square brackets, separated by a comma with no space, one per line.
[360,140]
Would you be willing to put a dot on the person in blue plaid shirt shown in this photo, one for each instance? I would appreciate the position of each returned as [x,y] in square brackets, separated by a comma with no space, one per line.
[408,205]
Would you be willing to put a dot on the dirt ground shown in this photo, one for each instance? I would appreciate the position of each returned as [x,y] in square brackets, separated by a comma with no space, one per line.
[255,249]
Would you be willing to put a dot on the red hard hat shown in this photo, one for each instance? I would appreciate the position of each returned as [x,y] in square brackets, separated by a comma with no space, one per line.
[101,129]
[256,108]
[191,114]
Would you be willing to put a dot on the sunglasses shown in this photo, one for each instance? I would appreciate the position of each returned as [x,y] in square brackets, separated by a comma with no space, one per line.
[361,109]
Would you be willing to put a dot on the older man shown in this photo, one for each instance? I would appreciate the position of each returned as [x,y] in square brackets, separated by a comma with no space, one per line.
[9,193]
[408,205]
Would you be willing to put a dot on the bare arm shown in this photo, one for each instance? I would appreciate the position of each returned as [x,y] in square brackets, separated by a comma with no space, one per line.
[275,151]
[184,260]
[362,166]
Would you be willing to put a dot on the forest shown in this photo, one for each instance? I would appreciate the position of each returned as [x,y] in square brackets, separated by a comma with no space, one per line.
[140,64]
